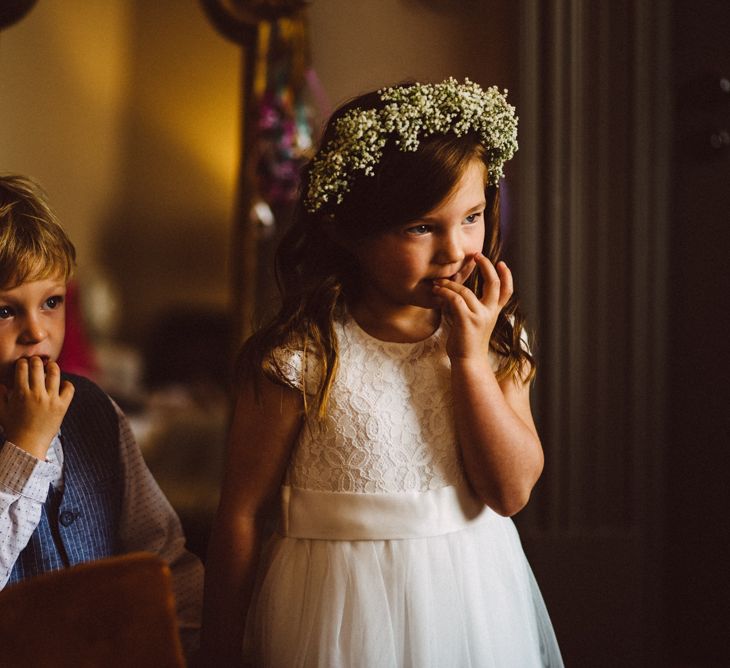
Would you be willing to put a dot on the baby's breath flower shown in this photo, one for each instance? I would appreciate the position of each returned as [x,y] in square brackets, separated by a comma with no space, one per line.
[411,113]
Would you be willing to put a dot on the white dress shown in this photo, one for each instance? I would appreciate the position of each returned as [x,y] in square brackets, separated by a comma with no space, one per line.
[383,557]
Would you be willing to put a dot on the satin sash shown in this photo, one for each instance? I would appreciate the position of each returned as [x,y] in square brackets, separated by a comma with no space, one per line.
[355,516]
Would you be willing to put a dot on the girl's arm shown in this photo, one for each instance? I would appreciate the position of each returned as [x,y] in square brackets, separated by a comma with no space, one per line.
[261,437]
[500,447]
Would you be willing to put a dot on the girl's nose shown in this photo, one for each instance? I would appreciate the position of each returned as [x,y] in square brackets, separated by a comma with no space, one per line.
[450,249]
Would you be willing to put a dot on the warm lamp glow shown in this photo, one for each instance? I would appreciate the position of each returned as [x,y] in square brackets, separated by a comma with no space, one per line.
[192,105]
[205,127]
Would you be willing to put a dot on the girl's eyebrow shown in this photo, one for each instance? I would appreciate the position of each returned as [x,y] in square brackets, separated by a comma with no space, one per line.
[482,205]
[477,207]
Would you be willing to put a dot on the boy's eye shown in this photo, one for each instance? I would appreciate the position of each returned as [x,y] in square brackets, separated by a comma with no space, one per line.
[5,312]
[54,302]
[418,230]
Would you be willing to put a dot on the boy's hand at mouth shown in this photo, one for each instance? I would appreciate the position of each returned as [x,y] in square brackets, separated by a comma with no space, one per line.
[32,410]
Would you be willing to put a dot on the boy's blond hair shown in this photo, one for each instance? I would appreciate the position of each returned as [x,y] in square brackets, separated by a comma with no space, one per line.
[33,245]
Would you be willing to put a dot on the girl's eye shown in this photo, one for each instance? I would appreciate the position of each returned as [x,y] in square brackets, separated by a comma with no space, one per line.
[473,217]
[418,230]
[5,312]
[54,302]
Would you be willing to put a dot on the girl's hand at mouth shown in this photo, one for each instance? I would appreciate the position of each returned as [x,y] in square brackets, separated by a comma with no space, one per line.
[472,319]
[32,410]
[461,275]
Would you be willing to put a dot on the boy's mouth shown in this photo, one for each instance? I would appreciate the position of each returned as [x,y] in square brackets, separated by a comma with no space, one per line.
[44,358]
[7,372]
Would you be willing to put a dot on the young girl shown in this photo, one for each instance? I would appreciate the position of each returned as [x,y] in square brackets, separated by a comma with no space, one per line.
[384,412]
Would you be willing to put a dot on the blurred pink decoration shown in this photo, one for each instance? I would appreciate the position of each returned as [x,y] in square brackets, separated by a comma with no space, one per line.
[77,355]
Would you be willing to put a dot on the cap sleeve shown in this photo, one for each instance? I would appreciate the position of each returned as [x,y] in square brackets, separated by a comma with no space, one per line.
[293,366]
[286,363]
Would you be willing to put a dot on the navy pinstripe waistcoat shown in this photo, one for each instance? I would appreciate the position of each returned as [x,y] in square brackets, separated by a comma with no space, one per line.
[81,522]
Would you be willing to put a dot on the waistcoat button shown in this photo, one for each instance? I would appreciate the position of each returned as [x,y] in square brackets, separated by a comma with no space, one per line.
[67,518]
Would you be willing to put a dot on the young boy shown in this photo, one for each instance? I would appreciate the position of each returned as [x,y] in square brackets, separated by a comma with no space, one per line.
[73,484]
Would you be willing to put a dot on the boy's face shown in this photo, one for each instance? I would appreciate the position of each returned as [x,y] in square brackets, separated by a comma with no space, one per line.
[32,322]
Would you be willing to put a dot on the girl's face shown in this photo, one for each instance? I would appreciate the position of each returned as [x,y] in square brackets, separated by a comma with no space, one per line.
[398,266]
[32,322]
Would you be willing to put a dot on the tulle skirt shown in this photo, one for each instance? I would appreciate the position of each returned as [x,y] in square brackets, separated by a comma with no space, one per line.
[466,598]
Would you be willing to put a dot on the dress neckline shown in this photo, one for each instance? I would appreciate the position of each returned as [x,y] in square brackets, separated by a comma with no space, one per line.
[394,347]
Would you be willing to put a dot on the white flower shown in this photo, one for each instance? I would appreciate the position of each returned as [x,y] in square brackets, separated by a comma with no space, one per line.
[411,113]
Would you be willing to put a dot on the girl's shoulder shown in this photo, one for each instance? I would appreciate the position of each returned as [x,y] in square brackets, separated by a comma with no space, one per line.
[294,362]
[286,361]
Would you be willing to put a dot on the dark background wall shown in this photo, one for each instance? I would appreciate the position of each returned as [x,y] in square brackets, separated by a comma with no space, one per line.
[697,579]
[621,243]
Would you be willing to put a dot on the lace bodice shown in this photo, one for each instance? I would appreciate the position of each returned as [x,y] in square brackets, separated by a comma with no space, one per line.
[389,424]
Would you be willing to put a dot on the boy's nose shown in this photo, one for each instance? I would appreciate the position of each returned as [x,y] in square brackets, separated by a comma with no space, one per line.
[32,332]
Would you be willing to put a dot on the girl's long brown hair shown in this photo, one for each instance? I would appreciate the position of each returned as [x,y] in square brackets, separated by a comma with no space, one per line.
[317,276]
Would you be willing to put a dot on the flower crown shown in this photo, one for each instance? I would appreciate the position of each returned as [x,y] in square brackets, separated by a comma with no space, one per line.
[411,113]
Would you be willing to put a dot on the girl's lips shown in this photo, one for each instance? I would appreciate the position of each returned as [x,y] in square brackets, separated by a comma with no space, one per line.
[453,277]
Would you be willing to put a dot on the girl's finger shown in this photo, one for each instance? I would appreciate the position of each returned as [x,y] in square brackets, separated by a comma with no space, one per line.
[491,289]
[454,298]
[506,285]
[459,291]
[465,271]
